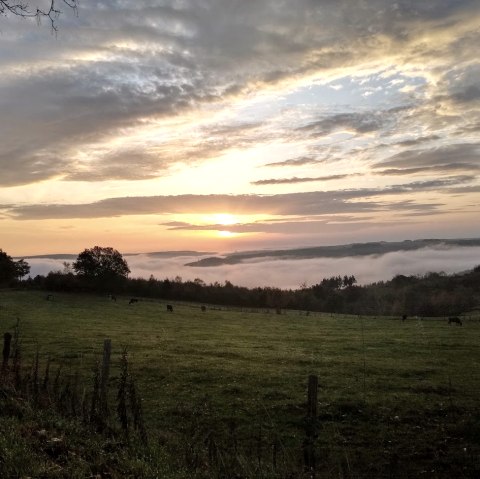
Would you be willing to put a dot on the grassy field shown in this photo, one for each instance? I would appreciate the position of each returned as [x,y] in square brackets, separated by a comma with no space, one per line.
[396,399]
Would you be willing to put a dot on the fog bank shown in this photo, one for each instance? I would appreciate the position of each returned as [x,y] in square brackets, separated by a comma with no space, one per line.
[292,273]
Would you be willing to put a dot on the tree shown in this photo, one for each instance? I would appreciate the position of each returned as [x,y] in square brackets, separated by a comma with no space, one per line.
[22,268]
[349,281]
[101,263]
[11,270]
[25,10]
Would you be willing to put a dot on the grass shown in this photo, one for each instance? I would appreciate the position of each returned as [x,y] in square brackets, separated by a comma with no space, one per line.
[396,399]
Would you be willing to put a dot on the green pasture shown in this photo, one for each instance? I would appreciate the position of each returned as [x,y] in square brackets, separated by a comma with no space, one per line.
[393,396]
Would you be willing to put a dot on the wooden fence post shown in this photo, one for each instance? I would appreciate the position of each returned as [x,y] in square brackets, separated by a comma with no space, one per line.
[107,349]
[7,340]
[311,426]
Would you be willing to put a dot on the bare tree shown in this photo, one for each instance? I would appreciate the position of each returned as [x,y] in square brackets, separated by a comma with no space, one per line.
[42,10]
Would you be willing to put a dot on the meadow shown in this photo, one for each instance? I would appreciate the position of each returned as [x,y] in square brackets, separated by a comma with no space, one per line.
[396,398]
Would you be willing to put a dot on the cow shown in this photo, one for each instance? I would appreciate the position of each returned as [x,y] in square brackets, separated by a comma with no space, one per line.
[111,297]
[49,297]
[404,317]
[133,300]
[170,308]
[203,308]
[455,319]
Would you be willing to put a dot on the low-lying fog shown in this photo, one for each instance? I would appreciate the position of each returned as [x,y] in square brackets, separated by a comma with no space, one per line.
[293,273]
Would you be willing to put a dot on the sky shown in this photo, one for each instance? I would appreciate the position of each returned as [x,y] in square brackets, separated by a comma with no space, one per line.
[223,125]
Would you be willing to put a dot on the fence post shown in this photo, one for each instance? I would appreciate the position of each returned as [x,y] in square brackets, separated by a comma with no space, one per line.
[311,426]
[7,340]
[107,349]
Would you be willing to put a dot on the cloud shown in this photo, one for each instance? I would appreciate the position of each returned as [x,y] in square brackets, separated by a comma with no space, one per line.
[461,86]
[286,204]
[430,169]
[43,266]
[120,67]
[293,227]
[418,140]
[280,181]
[310,203]
[358,123]
[464,155]
[300,161]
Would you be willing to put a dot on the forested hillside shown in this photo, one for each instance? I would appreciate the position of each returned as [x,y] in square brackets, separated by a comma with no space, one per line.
[433,294]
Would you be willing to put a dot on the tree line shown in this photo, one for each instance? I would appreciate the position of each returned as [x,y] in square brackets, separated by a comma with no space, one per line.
[104,270]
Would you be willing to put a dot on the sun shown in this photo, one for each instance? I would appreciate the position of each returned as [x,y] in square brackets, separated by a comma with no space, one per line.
[226,234]
[225,219]
[220,222]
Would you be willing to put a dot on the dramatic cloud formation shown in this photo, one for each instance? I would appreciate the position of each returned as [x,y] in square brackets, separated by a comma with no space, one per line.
[313,203]
[142,115]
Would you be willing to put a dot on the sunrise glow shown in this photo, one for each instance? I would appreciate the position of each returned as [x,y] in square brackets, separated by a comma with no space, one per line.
[226,234]
[206,120]
[225,219]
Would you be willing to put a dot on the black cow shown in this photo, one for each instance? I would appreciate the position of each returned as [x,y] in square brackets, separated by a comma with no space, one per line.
[133,300]
[455,319]
[203,308]
[170,308]
[404,317]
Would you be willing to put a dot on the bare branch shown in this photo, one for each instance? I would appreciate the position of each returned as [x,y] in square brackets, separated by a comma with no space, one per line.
[24,10]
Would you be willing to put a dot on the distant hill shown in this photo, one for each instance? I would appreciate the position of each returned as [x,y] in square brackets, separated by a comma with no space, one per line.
[337,251]
[50,256]
[157,254]
[173,254]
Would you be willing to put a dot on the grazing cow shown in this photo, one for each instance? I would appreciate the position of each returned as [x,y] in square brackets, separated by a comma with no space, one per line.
[203,308]
[455,319]
[170,308]
[404,317]
[133,300]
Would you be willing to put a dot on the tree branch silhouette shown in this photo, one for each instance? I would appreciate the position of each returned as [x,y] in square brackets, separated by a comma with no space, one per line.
[25,10]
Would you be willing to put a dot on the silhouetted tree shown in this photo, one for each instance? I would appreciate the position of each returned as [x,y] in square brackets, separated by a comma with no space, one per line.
[335,282]
[22,268]
[11,270]
[349,281]
[50,10]
[101,263]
